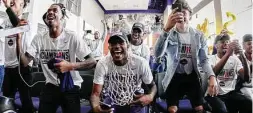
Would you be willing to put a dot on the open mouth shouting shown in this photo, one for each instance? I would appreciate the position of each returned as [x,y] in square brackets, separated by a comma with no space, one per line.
[50,17]
[117,54]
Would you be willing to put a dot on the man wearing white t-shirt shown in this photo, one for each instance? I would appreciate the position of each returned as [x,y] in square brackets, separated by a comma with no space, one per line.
[13,71]
[247,46]
[64,47]
[118,78]
[186,51]
[228,69]
[96,45]
[136,42]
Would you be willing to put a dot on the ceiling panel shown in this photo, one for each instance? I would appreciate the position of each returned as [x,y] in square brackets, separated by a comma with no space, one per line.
[193,3]
[125,4]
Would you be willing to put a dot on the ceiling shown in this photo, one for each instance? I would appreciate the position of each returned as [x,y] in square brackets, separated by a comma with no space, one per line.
[193,3]
[124,4]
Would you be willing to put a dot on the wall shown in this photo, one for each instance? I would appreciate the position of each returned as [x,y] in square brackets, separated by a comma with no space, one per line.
[243,11]
[241,8]
[209,13]
[92,14]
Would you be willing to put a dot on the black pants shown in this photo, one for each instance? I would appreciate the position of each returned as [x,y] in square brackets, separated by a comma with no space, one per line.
[13,83]
[183,84]
[51,98]
[230,103]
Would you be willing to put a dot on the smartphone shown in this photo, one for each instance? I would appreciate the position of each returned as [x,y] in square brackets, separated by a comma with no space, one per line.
[105,106]
[139,92]
[178,6]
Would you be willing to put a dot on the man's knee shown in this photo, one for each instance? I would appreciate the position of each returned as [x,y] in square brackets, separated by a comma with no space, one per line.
[172,109]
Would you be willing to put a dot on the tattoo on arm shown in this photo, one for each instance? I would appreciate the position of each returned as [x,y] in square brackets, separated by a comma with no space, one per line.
[89,63]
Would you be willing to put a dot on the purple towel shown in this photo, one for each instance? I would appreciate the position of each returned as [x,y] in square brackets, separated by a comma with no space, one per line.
[66,81]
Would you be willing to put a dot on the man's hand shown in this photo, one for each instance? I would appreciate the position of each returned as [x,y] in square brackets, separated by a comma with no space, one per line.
[212,87]
[22,22]
[237,47]
[143,100]
[63,66]
[230,49]
[173,18]
[98,109]
[7,3]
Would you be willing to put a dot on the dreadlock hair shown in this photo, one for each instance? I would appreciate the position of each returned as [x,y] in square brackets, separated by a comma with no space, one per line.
[25,3]
[63,9]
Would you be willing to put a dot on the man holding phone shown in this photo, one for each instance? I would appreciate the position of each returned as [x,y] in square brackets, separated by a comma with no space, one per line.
[12,78]
[186,49]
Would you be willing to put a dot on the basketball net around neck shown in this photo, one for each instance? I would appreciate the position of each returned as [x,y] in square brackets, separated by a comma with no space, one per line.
[120,86]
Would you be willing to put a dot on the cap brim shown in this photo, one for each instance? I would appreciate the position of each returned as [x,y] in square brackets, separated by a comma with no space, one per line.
[221,37]
[138,28]
[116,39]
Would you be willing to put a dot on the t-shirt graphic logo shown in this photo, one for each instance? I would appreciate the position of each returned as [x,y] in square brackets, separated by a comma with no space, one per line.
[10,42]
[185,53]
[59,55]
[226,75]
[46,55]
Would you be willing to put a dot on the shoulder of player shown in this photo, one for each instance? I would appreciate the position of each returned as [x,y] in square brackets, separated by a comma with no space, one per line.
[41,35]
[105,59]
[104,62]
[70,34]
[197,32]
[234,58]
[145,45]
[6,24]
[138,59]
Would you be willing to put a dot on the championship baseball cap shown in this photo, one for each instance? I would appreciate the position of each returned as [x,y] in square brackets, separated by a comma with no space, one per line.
[247,37]
[139,26]
[118,38]
[221,37]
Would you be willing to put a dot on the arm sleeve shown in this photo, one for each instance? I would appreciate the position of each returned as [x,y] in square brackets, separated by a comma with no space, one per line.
[34,48]
[146,74]
[203,57]
[161,44]
[99,74]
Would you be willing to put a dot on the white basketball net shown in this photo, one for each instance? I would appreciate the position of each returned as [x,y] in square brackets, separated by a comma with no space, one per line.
[120,87]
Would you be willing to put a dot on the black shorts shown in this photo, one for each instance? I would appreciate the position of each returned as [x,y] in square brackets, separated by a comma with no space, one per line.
[181,85]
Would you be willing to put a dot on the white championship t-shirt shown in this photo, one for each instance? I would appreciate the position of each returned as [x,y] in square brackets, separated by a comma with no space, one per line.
[227,78]
[141,50]
[11,60]
[122,81]
[185,64]
[67,46]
